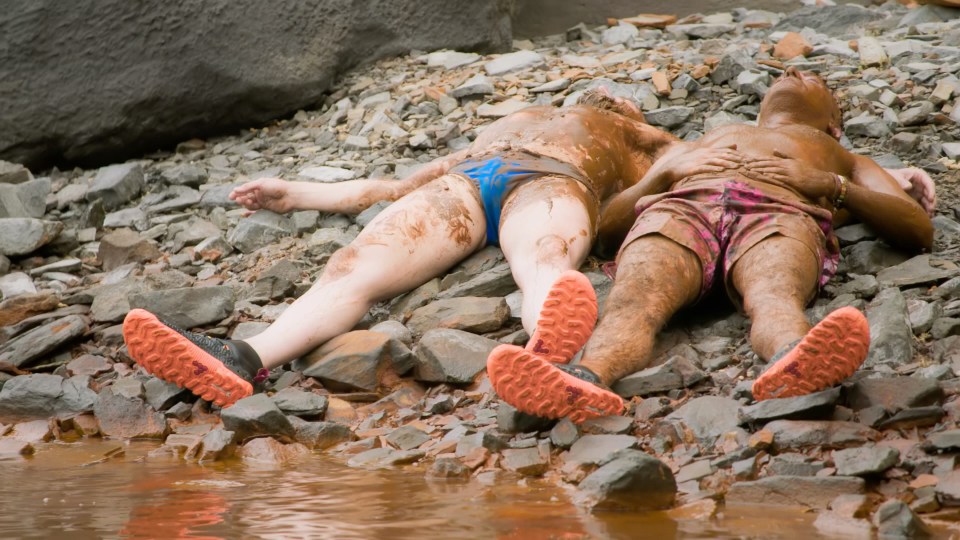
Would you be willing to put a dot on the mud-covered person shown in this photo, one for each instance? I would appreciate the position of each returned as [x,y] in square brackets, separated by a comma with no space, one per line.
[762,230]
[532,182]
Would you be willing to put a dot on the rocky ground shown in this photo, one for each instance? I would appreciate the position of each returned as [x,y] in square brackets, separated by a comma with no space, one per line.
[83,247]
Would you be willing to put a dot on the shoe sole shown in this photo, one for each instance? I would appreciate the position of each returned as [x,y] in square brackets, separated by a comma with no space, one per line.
[535,386]
[567,319]
[166,354]
[830,352]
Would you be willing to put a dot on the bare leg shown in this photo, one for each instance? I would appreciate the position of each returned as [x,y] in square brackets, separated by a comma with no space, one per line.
[655,278]
[547,229]
[776,278]
[407,244]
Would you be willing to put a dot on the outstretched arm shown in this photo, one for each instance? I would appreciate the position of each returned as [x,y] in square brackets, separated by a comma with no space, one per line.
[349,197]
[679,161]
[877,199]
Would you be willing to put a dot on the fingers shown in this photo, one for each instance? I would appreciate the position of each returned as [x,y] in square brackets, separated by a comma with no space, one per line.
[245,190]
[780,154]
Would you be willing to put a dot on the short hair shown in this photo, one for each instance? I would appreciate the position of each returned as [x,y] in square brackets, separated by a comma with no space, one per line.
[603,100]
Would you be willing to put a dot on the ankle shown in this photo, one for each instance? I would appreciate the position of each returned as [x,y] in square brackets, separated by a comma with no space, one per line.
[248,356]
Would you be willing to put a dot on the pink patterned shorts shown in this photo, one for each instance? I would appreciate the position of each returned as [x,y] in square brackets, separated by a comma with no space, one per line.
[721,222]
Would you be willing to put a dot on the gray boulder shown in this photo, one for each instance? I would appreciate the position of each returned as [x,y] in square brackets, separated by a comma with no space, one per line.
[22,236]
[41,396]
[632,480]
[149,77]
[357,360]
[256,415]
[451,356]
[116,185]
[187,307]
[128,418]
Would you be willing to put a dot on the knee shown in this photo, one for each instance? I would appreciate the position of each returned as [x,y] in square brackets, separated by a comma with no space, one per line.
[341,263]
[551,248]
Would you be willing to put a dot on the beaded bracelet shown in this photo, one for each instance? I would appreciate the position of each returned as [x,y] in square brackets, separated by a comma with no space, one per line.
[837,202]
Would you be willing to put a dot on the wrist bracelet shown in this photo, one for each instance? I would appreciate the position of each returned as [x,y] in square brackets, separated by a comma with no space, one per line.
[842,191]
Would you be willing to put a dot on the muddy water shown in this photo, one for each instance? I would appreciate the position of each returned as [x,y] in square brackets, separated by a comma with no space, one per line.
[69,491]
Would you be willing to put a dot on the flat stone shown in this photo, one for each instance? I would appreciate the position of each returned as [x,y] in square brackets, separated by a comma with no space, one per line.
[793,464]
[16,284]
[161,395]
[870,257]
[695,471]
[447,467]
[110,302]
[356,360]
[18,308]
[22,236]
[891,338]
[89,364]
[471,314]
[814,492]
[116,185]
[478,85]
[611,425]
[510,420]
[124,246]
[407,437]
[809,407]
[677,372]
[14,447]
[187,307]
[865,461]
[791,45]
[496,282]
[321,435]
[260,229]
[564,433]
[256,415]
[701,31]
[894,519]
[945,441]
[893,394]
[871,52]
[128,418]
[631,481]
[669,117]
[708,416]
[451,356]
[867,125]
[267,450]
[26,348]
[525,461]
[129,387]
[511,62]
[916,271]
[755,83]
[451,59]
[918,113]
[504,108]
[185,174]
[483,439]
[801,434]
[596,449]
[36,431]
[300,403]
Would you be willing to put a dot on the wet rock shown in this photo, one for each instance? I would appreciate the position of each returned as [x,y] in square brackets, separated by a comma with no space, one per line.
[22,236]
[564,434]
[448,467]
[894,519]
[187,307]
[893,394]
[510,62]
[125,246]
[526,461]
[260,229]
[831,524]
[26,348]
[267,450]
[357,360]
[300,403]
[810,407]
[677,372]
[321,435]
[37,431]
[891,339]
[161,395]
[18,308]
[471,314]
[631,481]
[407,437]
[814,492]
[89,364]
[451,356]
[256,415]
[800,434]
[510,420]
[13,447]
[708,416]
[596,449]
[865,461]
[483,439]
[128,418]
[116,185]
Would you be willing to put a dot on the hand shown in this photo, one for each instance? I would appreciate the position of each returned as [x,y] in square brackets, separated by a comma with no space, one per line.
[684,163]
[918,184]
[266,193]
[794,174]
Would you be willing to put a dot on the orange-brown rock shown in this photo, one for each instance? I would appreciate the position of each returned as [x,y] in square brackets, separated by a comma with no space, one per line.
[791,46]
[650,20]
[22,307]
[661,83]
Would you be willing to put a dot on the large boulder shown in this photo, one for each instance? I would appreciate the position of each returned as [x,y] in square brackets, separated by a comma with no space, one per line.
[98,83]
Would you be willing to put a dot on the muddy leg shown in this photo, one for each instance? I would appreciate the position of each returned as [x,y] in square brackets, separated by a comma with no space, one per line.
[546,229]
[776,278]
[412,241]
[655,278]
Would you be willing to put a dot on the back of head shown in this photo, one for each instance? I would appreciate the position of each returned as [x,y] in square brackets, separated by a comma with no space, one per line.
[601,98]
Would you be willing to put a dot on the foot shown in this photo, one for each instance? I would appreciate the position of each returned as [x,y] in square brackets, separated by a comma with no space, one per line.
[536,386]
[829,353]
[217,370]
[566,320]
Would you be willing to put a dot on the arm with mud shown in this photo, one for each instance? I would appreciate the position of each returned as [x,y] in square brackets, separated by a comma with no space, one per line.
[348,197]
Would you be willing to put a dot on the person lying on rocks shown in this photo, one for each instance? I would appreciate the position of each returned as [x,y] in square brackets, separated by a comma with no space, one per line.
[531,182]
[761,229]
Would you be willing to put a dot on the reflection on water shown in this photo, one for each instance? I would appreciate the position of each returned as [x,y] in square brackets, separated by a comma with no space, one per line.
[53,495]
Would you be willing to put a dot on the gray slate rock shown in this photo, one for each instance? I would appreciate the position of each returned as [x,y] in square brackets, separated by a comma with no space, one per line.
[708,416]
[128,418]
[891,338]
[802,434]
[865,461]
[22,236]
[300,403]
[893,394]
[809,407]
[526,461]
[510,420]
[842,21]
[677,372]
[496,282]
[894,519]
[187,307]
[216,445]
[669,117]
[356,360]
[36,344]
[116,185]
[451,356]
[471,314]
[510,62]
[870,257]
[478,85]
[598,449]
[260,229]
[631,481]
[407,437]
[185,174]
[793,464]
[256,415]
[124,246]
[916,271]
[41,396]
[27,200]
[814,492]
[321,435]
[161,395]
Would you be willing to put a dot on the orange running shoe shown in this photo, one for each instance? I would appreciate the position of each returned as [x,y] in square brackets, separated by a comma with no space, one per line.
[536,386]
[217,370]
[566,320]
[829,353]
